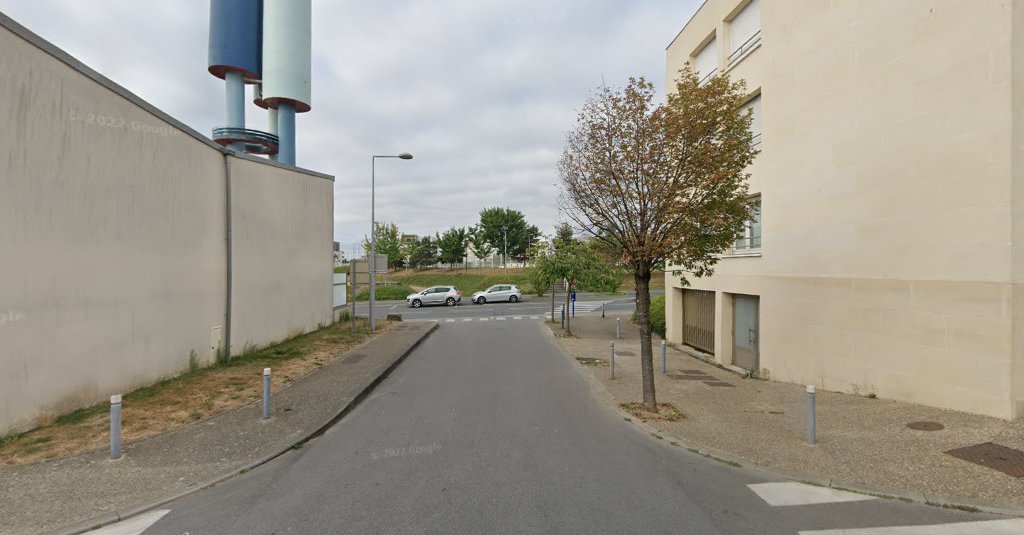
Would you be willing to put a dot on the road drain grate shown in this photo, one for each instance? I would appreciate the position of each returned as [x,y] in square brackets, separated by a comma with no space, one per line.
[1006,460]
[717,383]
[354,358]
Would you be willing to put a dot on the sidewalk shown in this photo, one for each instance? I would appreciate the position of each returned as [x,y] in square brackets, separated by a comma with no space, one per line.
[74,494]
[862,444]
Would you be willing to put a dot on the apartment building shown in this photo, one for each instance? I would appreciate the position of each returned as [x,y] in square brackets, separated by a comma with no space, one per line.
[888,252]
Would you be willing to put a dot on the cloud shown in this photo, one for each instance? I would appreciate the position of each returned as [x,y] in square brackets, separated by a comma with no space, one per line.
[480,92]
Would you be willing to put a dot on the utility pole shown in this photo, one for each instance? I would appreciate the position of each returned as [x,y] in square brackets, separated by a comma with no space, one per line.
[504,257]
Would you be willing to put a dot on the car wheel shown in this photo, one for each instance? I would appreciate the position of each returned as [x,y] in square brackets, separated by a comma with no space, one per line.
[481,300]
[416,303]
[513,299]
[450,302]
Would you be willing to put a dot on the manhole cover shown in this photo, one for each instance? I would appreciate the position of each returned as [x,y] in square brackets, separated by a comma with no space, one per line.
[717,383]
[352,359]
[690,377]
[926,426]
[1006,460]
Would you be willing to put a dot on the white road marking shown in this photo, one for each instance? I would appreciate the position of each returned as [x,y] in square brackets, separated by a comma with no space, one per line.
[394,307]
[1009,526]
[793,493]
[449,321]
[467,319]
[533,317]
[499,319]
[517,317]
[484,319]
[133,526]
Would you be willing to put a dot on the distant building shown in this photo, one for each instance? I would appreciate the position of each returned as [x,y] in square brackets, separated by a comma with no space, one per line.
[888,257]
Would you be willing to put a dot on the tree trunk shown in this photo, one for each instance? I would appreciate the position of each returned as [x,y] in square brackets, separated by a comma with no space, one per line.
[642,278]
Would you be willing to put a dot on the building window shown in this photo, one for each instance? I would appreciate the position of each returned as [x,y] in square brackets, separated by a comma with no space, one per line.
[750,238]
[754,105]
[744,30]
[706,62]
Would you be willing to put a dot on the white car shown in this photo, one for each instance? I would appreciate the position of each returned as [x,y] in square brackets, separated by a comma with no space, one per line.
[499,292]
[435,295]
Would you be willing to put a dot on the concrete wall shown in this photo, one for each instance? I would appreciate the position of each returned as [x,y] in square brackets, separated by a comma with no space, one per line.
[112,236]
[887,203]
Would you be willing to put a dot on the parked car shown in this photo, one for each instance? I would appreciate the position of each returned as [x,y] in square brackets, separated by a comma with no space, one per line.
[499,292]
[435,295]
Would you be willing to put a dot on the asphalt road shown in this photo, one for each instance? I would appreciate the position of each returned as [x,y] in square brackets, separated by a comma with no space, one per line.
[488,428]
[529,306]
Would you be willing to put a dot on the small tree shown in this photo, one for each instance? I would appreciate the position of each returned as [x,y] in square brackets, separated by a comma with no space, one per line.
[478,243]
[661,184]
[423,253]
[564,233]
[579,264]
[452,245]
[389,242]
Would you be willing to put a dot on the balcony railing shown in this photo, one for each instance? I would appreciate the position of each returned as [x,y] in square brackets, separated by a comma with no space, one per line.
[707,77]
[747,45]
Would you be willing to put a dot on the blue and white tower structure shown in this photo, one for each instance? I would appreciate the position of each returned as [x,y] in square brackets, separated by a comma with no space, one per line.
[266,43]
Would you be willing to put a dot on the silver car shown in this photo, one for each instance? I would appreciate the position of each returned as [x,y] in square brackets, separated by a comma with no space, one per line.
[499,292]
[435,295]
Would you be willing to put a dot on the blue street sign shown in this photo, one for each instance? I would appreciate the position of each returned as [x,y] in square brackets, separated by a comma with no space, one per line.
[574,296]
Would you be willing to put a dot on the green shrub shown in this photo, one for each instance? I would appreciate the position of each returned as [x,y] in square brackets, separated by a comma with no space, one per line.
[386,293]
[345,316]
[657,315]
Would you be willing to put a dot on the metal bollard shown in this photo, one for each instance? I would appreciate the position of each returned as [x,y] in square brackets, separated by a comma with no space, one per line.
[617,329]
[563,317]
[115,426]
[810,415]
[266,393]
[612,346]
[602,310]
[662,356]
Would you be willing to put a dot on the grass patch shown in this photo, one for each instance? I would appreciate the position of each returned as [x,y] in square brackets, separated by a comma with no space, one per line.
[466,282]
[197,394]
[387,293]
[666,412]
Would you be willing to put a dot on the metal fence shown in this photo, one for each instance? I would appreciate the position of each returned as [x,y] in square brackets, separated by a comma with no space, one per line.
[699,319]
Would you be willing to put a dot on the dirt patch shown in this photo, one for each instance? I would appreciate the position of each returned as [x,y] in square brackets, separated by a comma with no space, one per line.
[593,363]
[666,412]
[193,396]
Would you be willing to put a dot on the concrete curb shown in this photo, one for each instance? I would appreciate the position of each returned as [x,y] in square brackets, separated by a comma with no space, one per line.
[117,516]
[952,502]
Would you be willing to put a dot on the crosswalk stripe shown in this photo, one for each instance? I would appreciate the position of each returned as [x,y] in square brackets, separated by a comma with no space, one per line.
[533,317]
[517,317]
[499,319]
[449,321]
[467,319]
[793,493]
[133,526]
[484,319]
[1009,526]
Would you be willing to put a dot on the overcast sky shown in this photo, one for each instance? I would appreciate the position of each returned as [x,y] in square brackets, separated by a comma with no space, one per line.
[480,92]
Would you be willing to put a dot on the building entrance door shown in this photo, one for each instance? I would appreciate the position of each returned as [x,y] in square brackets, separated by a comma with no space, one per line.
[745,332]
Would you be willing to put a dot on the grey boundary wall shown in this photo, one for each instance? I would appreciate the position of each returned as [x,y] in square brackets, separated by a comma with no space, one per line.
[126,237]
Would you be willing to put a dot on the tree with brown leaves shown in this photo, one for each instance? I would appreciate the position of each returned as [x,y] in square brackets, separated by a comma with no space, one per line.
[661,184]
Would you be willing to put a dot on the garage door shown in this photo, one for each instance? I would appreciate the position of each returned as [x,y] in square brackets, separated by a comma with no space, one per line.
[699,319]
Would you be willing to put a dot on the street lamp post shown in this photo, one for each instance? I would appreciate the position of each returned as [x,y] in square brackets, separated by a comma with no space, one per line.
[373,234]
